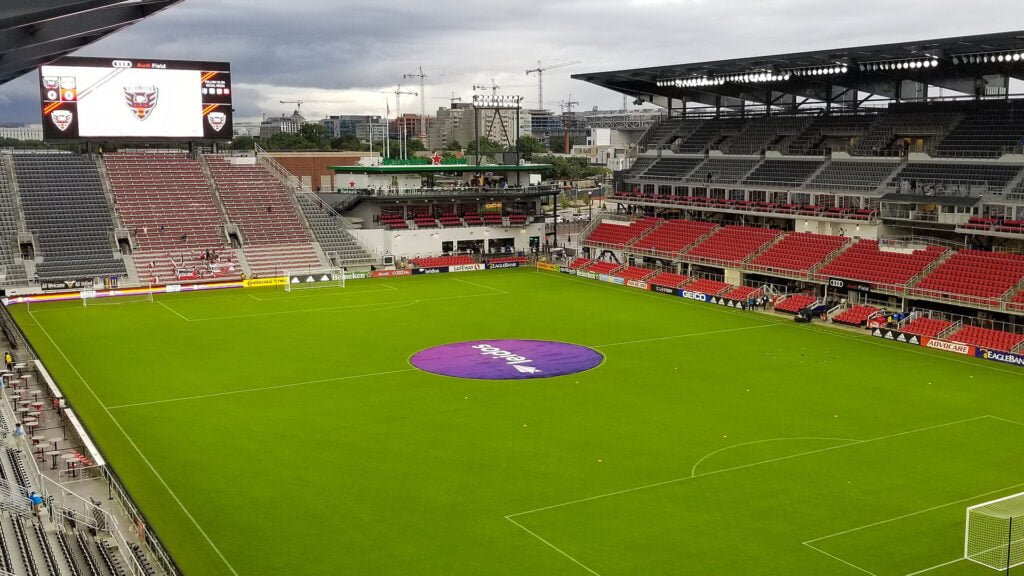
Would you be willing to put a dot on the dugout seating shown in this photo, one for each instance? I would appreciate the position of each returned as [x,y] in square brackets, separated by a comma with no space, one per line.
[974,276]
[798,252]
[619,234]
[337,242]
[732,245]
[668,279]
[66,209]
[424,221]
[923,326]
[673,236]
[795,303]
[393,222]
[14,272]
[864,261]
[742,293]
[855,315]
[987,338]
[708,286]
[602,267]
[634,273]
[440,261]
[274,238]
[166,203]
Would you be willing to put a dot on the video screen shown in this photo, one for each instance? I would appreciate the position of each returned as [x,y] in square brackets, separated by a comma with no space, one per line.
[103,98]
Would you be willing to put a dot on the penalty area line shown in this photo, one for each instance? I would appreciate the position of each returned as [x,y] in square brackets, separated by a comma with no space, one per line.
[708,333]
[552,546]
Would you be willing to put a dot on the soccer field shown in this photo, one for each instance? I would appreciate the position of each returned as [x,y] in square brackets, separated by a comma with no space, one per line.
[266,433]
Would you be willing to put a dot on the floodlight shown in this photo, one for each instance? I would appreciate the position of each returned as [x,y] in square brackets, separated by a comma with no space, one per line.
[1016,57]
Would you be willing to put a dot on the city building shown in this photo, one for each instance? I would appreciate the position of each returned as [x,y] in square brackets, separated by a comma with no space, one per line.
[363,127]
[24,132]
[281,124]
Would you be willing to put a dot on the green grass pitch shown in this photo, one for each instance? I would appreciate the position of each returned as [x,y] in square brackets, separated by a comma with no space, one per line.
[269,433]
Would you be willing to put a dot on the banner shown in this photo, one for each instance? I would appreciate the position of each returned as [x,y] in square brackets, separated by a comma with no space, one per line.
[431,270]
[547,266]
[313,278]
[356,275]
[638,284]
[997,356]
[844,284]
[722,301]
[585,274]
[264,282]
[495,266]
[617,280]
[663,289]
[698,296]
[475,267]
[90,294]
[896,336]
[567,270]
[49,286]
[955,347]
[389,273]
[604,278]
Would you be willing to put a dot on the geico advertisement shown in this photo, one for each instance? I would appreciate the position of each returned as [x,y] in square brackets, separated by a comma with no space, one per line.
[130,102]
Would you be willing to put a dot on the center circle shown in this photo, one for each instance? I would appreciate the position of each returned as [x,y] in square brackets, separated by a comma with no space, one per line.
[506,359]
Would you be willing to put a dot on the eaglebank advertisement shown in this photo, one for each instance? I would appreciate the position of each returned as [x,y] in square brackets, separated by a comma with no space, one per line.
[1003,357]
[497,266]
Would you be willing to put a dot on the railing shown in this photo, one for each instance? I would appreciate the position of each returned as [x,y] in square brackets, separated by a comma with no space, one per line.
[449,191]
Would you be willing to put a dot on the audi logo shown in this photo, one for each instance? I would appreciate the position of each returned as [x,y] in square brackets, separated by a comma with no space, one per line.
[121,63]
[836,283]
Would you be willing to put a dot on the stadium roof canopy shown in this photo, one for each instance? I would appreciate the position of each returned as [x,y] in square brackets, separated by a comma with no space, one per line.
[844,77]
[34,32]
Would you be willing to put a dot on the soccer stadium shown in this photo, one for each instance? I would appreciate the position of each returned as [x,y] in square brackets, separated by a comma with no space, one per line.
[787,342]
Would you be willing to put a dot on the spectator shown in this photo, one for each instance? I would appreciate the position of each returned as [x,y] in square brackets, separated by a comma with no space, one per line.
[36,501]
[19,430]
[9,360]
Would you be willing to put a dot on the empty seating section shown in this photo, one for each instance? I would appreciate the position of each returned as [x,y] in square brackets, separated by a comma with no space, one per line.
[673,167]
[619,234]
[393,221]
[762,132]
[673,236]
[709,134]
[663,133]
[896,123]
[835,126]
[864,261]
[743,293]
[795,303]
[708,286]
[166,203]
[640,165]
[668,279]
[987,338]
[952,178]
[923,326]
[335,241]
[273,236]
[732,245]
[13,273]
[66,210]
[722,170]
[441,261]
[601,267]
[798,252]
[988,132]
[853,175]
[578,263]
[788,173]
[634,273]
[974,276]
[855,315]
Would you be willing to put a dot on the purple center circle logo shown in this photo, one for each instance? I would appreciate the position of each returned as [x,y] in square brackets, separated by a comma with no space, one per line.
[506,359]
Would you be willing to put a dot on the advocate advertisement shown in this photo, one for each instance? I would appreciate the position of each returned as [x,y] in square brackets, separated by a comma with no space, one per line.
[955,347]
[135,99]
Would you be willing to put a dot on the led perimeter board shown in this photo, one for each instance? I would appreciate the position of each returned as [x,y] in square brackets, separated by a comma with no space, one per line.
[123,99]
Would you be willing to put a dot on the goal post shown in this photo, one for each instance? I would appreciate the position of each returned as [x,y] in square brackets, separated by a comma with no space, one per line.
[141,293]
[994,534]
[306,279]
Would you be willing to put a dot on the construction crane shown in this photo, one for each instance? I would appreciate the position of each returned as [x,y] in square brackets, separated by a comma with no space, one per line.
[398,115]
[493,87]
[423,101]
[567,105]
[451,99]
[540,70]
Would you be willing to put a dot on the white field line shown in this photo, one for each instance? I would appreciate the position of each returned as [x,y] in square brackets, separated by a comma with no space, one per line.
[325,291]
[495,290]
[137,449]
[709,333]
[834,557]
[954,561]
[173,311]
[260,389]
[693,471]
[553,547]
[742,466]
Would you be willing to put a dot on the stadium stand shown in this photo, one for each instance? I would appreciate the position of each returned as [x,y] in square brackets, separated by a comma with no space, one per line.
[855,315]
[987,338]
[709,134]
[619,234]
[866,262]
[974,276]
[731,245]
[924,326]
[274,238]
[579,263]
[634,273]
[673,236]
[441,261]
[336,242]
[640,165]
[74,244]
[830,126]
[853,175]
[949,178]
[742,293]
[788,173]
[761,133]
[795,303]
[13,272]
[673,167]
[602,267]
[708,286]
[989,130]
[668,279]
[722,170]
[164,199]
[903,121]
[798,252]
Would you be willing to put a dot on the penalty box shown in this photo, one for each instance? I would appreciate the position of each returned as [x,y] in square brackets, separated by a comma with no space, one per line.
[892,505]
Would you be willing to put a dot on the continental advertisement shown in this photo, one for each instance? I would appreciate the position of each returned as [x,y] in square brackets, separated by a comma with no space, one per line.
[265,282]
[547,266]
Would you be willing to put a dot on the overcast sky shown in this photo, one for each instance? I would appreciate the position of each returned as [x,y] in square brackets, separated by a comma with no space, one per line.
[316,49]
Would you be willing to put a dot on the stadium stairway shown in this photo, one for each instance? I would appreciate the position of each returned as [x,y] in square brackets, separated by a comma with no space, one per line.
[14,272]
[338,244]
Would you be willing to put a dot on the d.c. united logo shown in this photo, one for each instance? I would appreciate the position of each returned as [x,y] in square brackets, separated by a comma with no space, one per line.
[141,99]
[216,120]
[61,119]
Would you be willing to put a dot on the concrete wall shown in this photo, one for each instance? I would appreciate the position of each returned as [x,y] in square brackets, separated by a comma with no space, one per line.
[427,242]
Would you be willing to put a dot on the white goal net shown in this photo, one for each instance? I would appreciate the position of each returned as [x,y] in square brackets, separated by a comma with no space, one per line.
[995,533]
[315,279]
